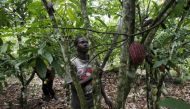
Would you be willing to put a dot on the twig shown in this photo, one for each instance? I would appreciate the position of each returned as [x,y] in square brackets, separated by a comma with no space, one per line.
[159,19]
[78,28]
[30,79]
[103,52]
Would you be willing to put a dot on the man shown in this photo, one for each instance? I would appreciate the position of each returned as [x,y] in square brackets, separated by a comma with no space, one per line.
[83,69]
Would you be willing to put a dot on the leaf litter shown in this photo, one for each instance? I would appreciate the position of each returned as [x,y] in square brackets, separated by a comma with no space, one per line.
[9,97]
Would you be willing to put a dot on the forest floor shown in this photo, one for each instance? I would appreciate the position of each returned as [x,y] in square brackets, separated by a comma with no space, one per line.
[136,99]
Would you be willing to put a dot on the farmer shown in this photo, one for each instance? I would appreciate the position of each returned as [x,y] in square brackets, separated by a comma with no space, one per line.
[81,66]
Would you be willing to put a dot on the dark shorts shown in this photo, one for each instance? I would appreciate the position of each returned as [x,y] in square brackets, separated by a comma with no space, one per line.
[75,103]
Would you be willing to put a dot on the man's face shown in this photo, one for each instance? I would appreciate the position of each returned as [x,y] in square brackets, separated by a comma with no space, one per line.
[82,45]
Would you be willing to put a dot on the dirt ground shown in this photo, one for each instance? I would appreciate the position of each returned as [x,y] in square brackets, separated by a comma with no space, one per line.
[9,98]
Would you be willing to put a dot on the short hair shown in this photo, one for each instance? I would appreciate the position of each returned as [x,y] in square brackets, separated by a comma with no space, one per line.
[76,40]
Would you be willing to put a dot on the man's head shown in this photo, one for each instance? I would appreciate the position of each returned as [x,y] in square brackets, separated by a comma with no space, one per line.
[81,44]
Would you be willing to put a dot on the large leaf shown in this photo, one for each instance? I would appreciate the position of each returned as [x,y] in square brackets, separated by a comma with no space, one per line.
[57,66]
[41,68]
[76,2]
[41,48]
[71,14]
[34,8]
[25,62]
[4,17]
[179,9]
[47,55]
[102,22]
[156,7]
[159,63]
[4,48]
[174,103]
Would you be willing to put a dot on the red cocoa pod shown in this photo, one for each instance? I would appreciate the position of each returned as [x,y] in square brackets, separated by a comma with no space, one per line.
[137,53]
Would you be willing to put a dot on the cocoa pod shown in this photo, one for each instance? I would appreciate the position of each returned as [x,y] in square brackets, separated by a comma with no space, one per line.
[137,53]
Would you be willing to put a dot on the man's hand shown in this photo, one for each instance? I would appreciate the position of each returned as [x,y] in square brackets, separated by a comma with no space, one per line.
[86,81]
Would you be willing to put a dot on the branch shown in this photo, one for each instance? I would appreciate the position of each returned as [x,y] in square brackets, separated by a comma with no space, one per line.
[50,12]
[19,76]
[140,18]
[84,29]
[165,12]
[84,14]
[186,11]
[114,43]
[100,52]
[179,24]
[30,79]
[159,19]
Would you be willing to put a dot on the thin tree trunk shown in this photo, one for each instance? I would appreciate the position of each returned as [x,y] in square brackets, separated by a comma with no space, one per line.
[164,13]
[23,98]
[23,93]
[148,88]
[126,74]
[159,87]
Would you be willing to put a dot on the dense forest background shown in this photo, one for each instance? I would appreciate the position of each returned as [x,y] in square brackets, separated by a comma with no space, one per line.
[40,33]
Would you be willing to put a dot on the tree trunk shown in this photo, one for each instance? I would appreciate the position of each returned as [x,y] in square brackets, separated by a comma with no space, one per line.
[127,72]
[23,98]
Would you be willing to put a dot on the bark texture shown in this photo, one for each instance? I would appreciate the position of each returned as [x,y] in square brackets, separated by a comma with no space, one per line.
[126,74]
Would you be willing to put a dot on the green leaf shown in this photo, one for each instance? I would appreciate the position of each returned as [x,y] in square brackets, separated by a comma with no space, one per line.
[4,48]
[17,65]
[2,77]
[73,6]
[179,9]
[71,14]
[76,2]
[181,50]
[41,49]
[173,64]
[174,103]
[48,56]
[156,7]
[41,68]
[32,62]
[159,63]
[102,22]
[57,66]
